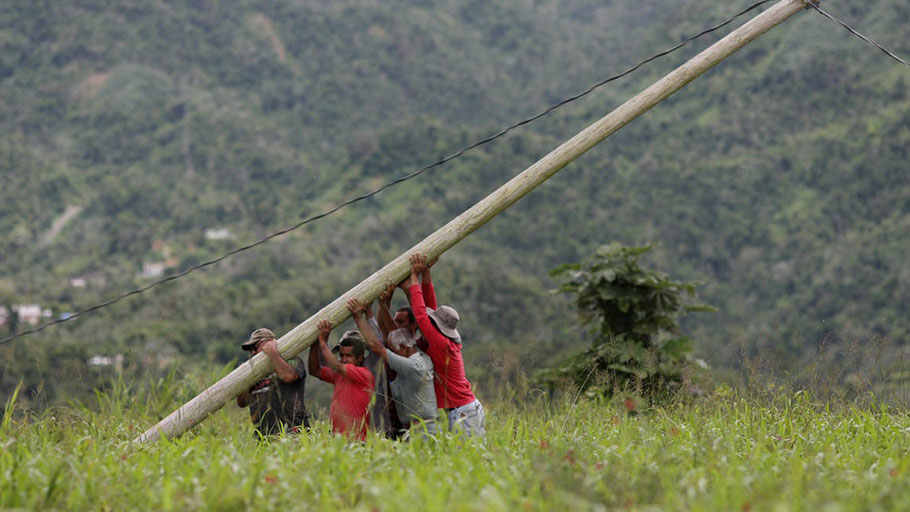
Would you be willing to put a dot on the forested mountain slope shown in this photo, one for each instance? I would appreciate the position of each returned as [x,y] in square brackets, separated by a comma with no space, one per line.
[780,179]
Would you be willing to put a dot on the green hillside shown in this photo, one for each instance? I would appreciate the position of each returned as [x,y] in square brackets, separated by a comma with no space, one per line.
[780,179]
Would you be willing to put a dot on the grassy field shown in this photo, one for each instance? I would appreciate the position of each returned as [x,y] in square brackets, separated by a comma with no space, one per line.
[723,452]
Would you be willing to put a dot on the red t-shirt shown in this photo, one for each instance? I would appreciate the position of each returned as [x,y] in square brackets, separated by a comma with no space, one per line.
[350,400]
[452,387]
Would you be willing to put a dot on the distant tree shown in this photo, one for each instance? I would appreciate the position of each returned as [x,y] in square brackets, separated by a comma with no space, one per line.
[7,299]
[633,314]
[13,320]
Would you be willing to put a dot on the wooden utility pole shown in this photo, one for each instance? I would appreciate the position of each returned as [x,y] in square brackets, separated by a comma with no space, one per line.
[457,229]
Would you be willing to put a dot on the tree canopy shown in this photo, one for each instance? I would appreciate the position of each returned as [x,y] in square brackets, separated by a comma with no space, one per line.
[778,179]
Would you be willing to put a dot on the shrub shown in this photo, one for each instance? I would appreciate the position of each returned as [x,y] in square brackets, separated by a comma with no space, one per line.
[633,317]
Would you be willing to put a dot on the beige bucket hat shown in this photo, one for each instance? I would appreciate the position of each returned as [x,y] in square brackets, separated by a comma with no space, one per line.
[446,318]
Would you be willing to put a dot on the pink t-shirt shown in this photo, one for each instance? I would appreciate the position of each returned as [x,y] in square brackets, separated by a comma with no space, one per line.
[451,385]
[350,400]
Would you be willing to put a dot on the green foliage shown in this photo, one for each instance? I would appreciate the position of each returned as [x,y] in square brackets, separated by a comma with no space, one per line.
[723,453]
[634,315]
[779,178]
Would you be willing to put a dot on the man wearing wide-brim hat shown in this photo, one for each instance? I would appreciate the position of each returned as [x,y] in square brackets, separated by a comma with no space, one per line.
[439,326]
[275,402]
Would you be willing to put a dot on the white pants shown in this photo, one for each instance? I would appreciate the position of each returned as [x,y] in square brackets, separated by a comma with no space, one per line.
[468,419]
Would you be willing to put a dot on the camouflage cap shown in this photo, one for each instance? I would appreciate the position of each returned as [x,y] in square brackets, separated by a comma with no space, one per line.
[258,335]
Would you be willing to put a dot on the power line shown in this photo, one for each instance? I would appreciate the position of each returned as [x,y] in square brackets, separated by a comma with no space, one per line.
[886,51]
[392,183]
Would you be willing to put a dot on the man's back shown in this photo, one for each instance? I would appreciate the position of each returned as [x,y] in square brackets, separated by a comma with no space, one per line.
[412,388]
[452,387]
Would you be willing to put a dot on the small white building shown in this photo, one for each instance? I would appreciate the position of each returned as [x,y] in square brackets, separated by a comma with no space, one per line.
[91,279]
[116,361]
[153,269]
[218,234]
[31,313]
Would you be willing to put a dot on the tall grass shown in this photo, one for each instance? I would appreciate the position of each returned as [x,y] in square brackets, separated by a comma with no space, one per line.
[723,452]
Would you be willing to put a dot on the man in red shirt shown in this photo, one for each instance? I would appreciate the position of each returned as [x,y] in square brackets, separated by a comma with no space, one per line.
[438,326]
[353,383]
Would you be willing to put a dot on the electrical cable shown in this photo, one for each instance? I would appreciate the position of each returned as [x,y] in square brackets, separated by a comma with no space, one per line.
[842,23]
[392,183]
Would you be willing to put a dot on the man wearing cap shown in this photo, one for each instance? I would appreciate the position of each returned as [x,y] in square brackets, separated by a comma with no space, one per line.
[275,402]
[453,391]
[412,388]
[353,384]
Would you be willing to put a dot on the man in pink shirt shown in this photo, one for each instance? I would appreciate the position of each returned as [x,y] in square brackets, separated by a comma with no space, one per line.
[353,383]
[438,326]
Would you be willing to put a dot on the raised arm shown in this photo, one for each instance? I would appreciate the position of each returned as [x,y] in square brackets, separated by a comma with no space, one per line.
[404,285]
[325,328]
[426,284]
[412,280]
[330,360]
[376,346]
[385,319]
[419,265]
[285,371]
[313,360]
[418,306]
[373,323]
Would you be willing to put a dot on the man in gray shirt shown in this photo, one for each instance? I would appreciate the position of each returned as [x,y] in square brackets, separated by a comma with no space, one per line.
[412,389]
